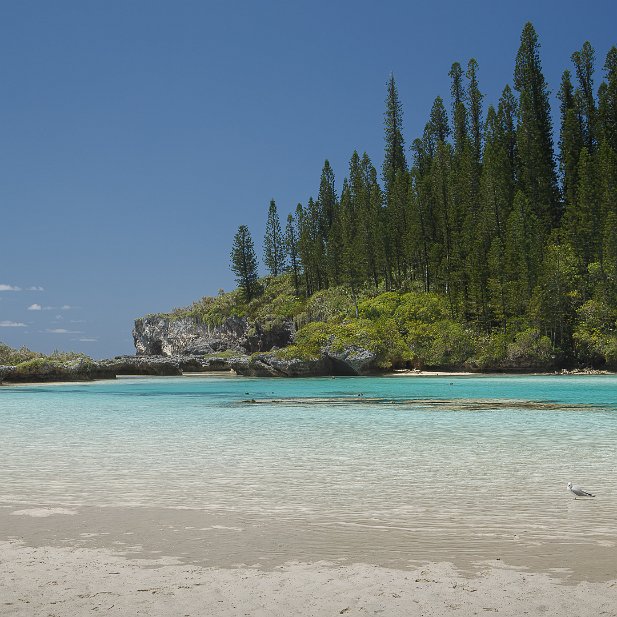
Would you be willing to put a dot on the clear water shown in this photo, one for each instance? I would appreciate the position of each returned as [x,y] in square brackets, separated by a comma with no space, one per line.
[440,470]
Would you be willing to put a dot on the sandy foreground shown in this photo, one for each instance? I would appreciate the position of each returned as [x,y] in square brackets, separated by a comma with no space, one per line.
[58,561]
[72,581]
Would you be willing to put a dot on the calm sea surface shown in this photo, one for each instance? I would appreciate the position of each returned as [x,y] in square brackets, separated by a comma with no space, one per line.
[432,457]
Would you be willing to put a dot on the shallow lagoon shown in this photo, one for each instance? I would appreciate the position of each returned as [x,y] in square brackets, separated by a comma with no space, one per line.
[388,470]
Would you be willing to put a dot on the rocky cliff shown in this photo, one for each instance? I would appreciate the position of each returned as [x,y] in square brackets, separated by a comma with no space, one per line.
[242,345]
[161,335]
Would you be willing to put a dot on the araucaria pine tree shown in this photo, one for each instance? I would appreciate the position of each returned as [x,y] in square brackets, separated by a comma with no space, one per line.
[244,262]
[275,251]
[291,244]
[394,156]
[395,179]
[535,131]
[517,239]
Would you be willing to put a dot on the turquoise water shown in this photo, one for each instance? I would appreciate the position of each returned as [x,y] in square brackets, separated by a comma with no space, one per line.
[401,461]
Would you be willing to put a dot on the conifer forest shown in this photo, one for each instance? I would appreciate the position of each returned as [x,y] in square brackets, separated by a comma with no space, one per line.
[507,221]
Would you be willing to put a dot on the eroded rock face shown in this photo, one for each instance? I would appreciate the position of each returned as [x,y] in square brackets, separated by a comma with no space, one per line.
[168,337]
[349,361]
[268,365]
[136,365]
[158,335]
[171,347]
[352,360]
[162,336]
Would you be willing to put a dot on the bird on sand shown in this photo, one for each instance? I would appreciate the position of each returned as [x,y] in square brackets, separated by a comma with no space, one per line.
[578,491]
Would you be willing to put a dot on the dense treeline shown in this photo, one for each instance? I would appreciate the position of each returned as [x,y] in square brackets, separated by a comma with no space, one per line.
[482,209]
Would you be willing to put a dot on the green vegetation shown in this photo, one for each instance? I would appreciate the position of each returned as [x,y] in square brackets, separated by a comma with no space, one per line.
[38,367]
[482,246]
[404,329]
[244,262]
[277,300]
[11,357]
[275,253]
[34,364]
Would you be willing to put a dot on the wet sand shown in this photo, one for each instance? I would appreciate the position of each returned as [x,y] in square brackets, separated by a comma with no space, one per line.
[229,540]
[69,561]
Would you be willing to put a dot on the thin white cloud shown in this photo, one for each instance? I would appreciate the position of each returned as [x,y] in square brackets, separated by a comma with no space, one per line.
[35,307]
[61,331]
[64,307]
[6,287]
[88,340]
[12,324]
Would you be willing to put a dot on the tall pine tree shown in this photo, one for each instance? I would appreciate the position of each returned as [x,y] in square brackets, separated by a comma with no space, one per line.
[291,244]
[608,100]
[475,109]
[275,252]
[535,132]
[244,262]
[570,137]
[459,112]
[394,156]
[583,61]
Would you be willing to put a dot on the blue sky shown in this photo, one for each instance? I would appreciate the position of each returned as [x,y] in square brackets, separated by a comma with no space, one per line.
[136,136]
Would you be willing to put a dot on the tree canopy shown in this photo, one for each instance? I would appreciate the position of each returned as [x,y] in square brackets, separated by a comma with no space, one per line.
[514,231]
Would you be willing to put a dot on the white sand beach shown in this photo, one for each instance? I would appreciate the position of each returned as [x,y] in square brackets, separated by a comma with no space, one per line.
[422,373]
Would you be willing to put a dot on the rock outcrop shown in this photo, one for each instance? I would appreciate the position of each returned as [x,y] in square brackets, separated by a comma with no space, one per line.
[136,365]
[351,360]
[168,347]
[268,365]
[165,336]
[249,343]
[83,369]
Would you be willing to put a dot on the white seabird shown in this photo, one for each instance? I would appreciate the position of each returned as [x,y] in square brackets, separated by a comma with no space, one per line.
[578,491]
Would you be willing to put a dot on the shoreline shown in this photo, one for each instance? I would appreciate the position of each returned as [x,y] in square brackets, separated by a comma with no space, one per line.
[155,506]
[396,373]
[227,539]
[438,373]
[423,373]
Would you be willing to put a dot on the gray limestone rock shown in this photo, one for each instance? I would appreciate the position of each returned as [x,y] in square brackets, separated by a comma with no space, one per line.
[352,360]
[165,336]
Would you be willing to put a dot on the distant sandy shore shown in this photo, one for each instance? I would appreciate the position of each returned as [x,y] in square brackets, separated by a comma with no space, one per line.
[417,373]
[72,582]
[229,375]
